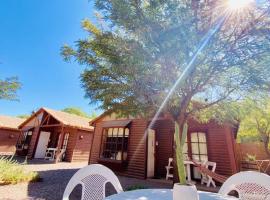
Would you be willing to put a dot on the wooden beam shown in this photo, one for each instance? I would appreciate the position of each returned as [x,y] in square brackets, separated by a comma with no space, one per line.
[44,120]
[50,125]
[59,144]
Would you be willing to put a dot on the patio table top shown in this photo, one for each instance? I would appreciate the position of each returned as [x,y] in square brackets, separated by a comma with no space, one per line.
[162,194]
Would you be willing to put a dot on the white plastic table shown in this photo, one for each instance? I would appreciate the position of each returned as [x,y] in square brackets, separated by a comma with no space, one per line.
[162,194]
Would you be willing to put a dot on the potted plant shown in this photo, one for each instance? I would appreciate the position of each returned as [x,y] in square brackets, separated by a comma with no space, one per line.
[182,190]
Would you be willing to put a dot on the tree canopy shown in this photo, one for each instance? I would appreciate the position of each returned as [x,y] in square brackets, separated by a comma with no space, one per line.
[24,116]
[141,47]
[9,87]
[255,124]
[133,62]
[79,112]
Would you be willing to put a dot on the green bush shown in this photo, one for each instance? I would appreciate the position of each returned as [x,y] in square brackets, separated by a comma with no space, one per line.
[11,172]
[136,187]
[250,157]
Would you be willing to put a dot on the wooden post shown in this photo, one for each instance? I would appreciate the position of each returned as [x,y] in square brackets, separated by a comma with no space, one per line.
[59,143]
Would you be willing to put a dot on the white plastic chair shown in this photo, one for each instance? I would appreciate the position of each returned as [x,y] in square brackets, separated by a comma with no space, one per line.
[168,168]
[208,180]
[93,179]
[250,185]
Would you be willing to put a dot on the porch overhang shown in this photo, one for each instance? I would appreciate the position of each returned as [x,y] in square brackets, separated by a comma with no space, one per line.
[116,123]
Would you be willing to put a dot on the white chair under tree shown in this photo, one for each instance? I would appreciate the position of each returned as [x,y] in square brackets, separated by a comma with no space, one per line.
[208,180]
[168,169]
[93,179]
[249,185]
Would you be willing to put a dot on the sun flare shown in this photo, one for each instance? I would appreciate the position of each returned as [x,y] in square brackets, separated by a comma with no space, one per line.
[238,4]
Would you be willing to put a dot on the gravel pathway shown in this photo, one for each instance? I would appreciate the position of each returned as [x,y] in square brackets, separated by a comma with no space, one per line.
[54,180]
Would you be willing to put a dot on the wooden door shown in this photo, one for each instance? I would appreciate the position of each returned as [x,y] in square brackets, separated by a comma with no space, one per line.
[42,144]
[151,153]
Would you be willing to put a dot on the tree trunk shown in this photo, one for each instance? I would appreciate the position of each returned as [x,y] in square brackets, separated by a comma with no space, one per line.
[266,147]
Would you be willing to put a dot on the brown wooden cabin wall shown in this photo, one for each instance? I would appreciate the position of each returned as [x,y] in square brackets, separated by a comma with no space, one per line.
[33,143]
[83,145]
[220,143]
[71,143]
[136,166]
[8,141]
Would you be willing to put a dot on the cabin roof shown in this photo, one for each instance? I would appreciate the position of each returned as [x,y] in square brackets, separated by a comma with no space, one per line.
[66,119]
[10,122]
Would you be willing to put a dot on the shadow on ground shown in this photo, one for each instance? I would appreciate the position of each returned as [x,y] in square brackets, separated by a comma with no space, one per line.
[54,183]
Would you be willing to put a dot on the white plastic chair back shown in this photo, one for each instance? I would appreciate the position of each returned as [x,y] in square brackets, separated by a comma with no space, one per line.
[250,185]
[168,174]
[93,179]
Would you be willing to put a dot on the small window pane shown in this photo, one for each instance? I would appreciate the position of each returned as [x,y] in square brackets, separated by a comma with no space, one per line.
[110,131]
[202,137]
[195,148]
[204,158]
[203,148]
[196,157]
[194,137]
[124,155]
[115,130]
[120,132]
[126,132]
[119,155]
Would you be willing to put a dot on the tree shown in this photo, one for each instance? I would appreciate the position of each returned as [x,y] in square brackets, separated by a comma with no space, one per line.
[9,87]
[24,116]
[133,63]
[256,121]
[79,112]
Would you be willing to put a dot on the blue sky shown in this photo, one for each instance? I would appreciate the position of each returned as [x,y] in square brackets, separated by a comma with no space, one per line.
[31,35]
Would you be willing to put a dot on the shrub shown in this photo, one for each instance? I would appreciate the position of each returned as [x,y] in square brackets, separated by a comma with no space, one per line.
[11,172]
[136,187]
[250,157]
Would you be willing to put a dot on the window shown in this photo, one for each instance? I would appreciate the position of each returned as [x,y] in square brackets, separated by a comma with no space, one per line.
[199,146]
[115,144]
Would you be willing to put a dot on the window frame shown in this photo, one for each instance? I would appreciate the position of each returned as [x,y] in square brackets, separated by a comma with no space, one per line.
[189,144]
[190,149]
[103,137]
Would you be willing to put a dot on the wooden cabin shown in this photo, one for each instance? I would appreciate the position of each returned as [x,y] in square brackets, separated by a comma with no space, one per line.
[127,146]
[9,134]
[63,133]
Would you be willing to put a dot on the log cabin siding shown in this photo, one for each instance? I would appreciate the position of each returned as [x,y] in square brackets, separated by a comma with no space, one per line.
[8,141]
[71,144]
[33,143]
[136,166]
[83,146]
[219,145]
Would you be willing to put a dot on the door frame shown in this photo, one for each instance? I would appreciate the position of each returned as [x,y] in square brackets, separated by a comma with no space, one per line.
[40,132]
[154,157]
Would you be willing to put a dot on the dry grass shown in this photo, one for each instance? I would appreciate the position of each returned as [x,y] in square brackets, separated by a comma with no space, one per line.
[12,172]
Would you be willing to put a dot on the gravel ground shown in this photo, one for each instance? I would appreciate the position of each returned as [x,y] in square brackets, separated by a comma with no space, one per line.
[54,180]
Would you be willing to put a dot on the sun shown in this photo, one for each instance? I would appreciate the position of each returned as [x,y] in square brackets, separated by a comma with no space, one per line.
[238,4]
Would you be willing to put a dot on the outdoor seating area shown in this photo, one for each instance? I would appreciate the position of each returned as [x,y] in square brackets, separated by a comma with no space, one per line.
[94,178]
